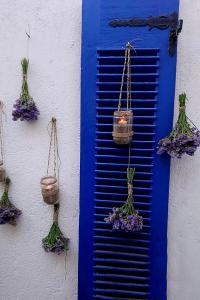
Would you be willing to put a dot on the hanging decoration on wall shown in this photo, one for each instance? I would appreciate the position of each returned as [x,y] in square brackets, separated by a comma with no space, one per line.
[25,108]
[50,183]
[184,138]
[8,212]
[55,241]
[126,218]
[123,118]
[2,167]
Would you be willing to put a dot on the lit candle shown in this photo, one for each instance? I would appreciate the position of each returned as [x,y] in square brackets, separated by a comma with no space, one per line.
[122,122]
[49,188]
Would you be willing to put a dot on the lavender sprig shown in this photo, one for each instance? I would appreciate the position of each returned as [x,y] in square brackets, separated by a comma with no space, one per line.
[24,107]
[126,218]
[184,138]
[55,241]
[8,212]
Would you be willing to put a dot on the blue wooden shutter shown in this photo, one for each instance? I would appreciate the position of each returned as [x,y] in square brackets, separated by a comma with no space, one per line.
[115,265]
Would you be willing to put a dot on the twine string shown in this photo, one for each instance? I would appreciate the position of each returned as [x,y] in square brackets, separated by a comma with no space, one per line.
[126,72]
[53,155]
[182,108]
[56,213]
[192,122]
[129,76]
[122,81]
[50,146]
[1,131]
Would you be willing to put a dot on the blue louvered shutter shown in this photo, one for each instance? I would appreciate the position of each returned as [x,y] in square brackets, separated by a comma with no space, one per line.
[117,265]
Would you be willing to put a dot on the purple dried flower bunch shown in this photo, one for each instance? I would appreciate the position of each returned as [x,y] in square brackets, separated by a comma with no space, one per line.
[126,218]
[184,138]
[25,107]
[55,241]
[8,212]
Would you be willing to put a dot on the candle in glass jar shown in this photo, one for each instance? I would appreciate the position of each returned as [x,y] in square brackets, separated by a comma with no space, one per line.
[49,187]
[2,172]
[122,127]
[122,122]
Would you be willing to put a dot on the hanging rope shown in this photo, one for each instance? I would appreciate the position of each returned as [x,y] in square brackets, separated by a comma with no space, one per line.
[1,132]
[53,156]
[122,82]
[129,77]
[127,73]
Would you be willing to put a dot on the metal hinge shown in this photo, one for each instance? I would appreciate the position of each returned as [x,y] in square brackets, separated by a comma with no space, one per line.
[160,22]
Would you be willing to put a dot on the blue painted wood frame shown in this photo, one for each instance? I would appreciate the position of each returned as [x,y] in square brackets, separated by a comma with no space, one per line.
[98,35]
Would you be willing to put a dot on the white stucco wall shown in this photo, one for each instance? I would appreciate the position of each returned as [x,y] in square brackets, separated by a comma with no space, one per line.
[26,271]
[184,203]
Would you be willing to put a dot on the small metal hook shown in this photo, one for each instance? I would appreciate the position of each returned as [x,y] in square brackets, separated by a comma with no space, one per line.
[28,33]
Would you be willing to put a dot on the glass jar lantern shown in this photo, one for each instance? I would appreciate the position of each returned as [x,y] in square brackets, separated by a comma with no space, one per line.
[49,189]
[123,127]
[2,172]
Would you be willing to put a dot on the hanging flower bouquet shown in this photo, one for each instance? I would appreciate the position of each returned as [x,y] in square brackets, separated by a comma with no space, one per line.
[184,138]
[55,241]
[25,108]
[126,217]
[8,212]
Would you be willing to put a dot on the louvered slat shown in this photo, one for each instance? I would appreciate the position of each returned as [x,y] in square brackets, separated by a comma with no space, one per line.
[121,260]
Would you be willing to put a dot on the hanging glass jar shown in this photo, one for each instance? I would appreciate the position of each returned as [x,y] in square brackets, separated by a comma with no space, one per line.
[122,127]
[49,187]
[50,183]
[2,171]
[123,118]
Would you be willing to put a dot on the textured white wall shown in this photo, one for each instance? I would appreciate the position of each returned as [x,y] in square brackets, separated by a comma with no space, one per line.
[184,208]
[26,271]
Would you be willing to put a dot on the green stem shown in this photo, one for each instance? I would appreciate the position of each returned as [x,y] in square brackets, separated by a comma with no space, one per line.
[5,198]
[25,90]
[130,175]
[182,126]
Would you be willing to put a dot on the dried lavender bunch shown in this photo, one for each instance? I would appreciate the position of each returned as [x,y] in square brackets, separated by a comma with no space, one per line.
[184,138]
[8,212]
[55,241]
[24,107]
[126,217]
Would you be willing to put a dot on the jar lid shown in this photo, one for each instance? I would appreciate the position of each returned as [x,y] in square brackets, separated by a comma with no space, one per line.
[48,180]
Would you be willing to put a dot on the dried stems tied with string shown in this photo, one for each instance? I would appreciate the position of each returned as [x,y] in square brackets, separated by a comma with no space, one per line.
[126,218]
[184,138]
[123,118]
[55,241]
[8,212]
[25,108]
